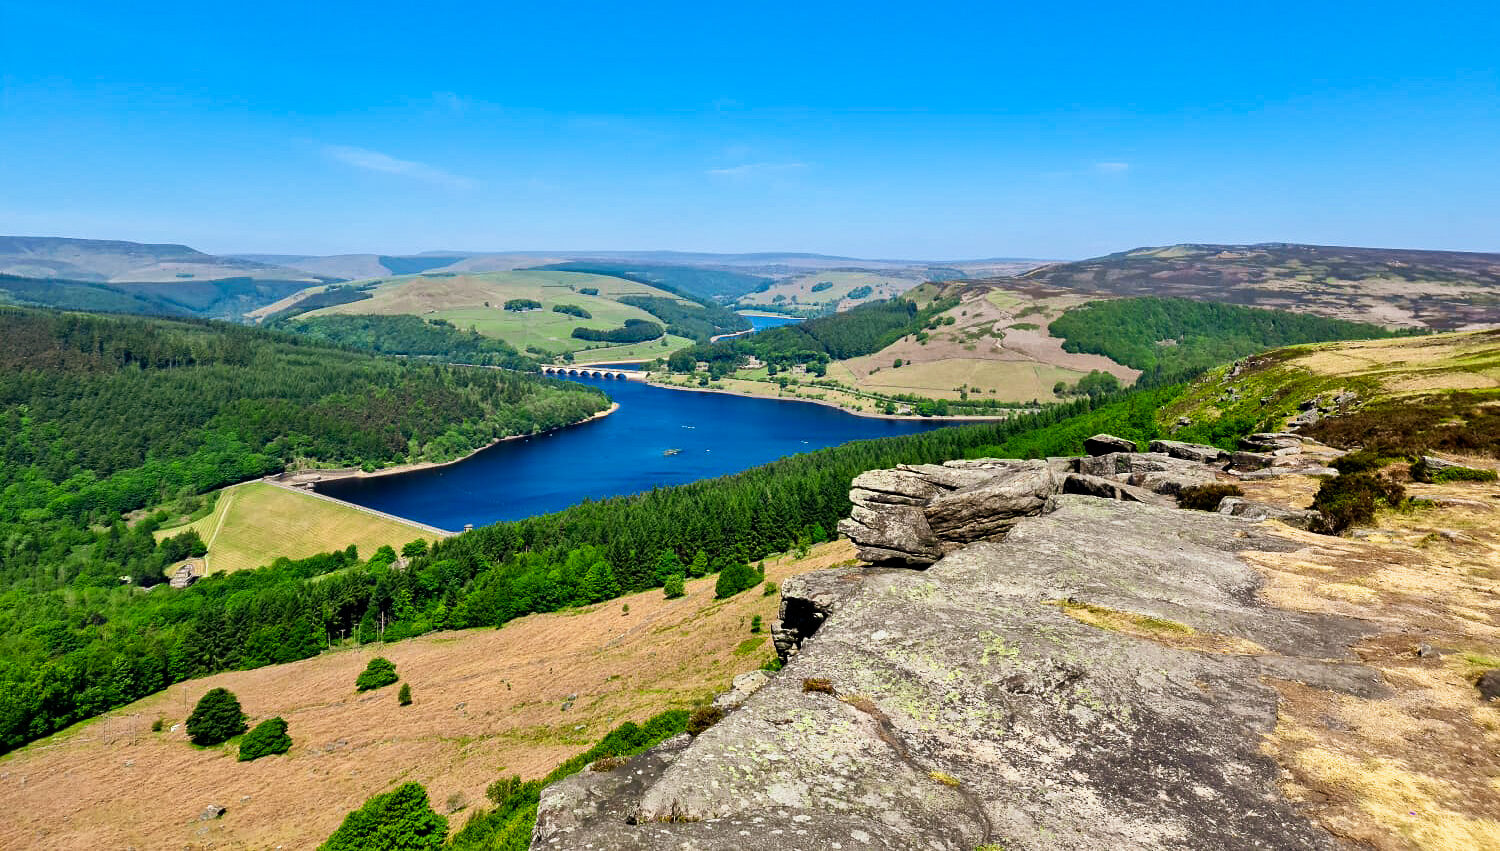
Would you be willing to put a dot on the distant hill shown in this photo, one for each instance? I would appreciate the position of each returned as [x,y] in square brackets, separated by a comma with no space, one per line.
[132,277]
[1398,287]
[115,261]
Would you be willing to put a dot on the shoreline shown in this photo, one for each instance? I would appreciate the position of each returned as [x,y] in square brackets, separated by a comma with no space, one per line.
[290,478]
[962,418]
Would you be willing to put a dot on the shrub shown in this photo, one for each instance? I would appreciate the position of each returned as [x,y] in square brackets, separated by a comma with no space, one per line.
[1361,461]
[755,624]
[1352,498]
[268,737]
[734,579]
[1206,497]
[217,718]
[401,819]
[770,589]
[404,696]
[380,672]
[157,725]
[817,685]
[1423,472]
[674,586]
[703,717]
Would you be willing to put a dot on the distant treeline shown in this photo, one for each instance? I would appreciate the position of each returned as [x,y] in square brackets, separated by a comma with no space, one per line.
[701,320]
[858,331]
[691,281]
[1175,335]
[225,298]
[331,297]
[411,336]
[633,331]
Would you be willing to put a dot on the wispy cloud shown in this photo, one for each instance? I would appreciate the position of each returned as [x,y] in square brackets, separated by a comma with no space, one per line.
[1112,168]
[364,158]
[752,169]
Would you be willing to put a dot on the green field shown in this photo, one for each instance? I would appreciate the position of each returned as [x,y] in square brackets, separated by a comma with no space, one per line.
[477,301]
[255,523]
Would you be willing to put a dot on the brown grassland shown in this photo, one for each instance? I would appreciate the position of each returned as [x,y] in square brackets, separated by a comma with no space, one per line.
[517,700]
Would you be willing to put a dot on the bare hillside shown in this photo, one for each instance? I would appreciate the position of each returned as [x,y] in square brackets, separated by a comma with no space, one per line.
[1438,289]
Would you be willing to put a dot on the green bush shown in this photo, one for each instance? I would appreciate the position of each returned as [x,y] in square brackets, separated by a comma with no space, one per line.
[1423,472]
[268,737]
[755,624]
[1361,461]
[1352,498]
[400,820]
[674,586]
[1206,497]
[380,672]
[217,718]
[734,579]
[404,696]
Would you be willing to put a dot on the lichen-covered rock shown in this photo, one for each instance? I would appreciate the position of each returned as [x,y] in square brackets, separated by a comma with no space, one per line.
[987,510]
[1199,452]
[1235,506]
[965,707]
[912,515]
[1104,444]
[1244,460]
[1268,441]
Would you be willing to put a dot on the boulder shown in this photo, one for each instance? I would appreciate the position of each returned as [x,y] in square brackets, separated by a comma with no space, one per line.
[988,510]
[1084,485]
[964,710]
[892,534]
[913,514]
[1171,482]
[1436,464]
[1103,444]
[1201,453]
[744,685]
[1249,460]
[1489,685]
[1269,441]
[211,812]
[1235,506]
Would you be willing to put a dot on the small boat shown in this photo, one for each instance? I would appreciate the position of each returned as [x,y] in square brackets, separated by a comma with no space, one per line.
[672,452]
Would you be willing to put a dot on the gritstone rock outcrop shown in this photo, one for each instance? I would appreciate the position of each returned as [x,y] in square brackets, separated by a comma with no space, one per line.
[975,702]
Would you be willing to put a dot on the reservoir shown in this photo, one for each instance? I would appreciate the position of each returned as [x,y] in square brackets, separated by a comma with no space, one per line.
[657,438]
[629,451]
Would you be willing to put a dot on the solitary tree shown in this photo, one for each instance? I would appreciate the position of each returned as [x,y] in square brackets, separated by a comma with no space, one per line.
[415,549]
[268,737]
[404,697]
[380,672]
[400,820]
[217,718]
[674,586]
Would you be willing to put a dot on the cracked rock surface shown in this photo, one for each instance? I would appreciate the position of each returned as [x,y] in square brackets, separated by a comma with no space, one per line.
[965,706]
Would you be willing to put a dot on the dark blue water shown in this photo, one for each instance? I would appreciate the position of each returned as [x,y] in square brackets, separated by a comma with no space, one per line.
[620,454]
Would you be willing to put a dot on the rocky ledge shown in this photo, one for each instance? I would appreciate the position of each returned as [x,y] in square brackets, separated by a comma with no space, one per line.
[1071,672]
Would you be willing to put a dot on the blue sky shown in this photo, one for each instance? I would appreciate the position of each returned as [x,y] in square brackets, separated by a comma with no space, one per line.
[925,130]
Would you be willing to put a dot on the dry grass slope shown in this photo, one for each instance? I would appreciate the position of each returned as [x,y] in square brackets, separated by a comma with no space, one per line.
[487,702]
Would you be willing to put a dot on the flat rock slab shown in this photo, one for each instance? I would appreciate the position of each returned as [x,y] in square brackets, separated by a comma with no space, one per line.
[968,708]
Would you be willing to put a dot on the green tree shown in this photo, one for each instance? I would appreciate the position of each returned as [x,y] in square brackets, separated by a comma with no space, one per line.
[217,718]
[404,697]
[699,567]
[380,672]
[415,549]
[674,586]
[400,820]
[268,737]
